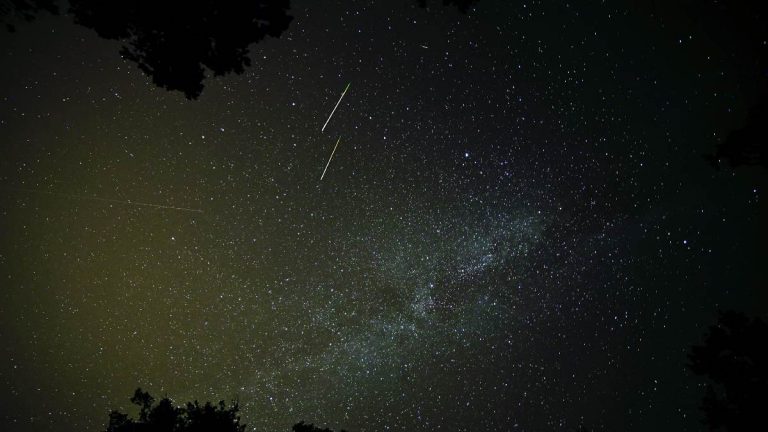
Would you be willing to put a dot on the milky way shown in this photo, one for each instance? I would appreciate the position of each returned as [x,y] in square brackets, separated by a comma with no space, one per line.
[517,232]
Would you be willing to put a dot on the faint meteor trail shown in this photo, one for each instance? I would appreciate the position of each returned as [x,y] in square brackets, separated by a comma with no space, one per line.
[329,159]
[337,105]
[84,197]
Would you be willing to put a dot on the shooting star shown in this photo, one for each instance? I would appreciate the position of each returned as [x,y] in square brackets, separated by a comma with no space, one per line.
[329,159]
[84,197]
[337,105]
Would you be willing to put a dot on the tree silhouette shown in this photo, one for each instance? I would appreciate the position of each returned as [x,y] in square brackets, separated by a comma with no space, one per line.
[303,427]
[735,358]
[746,146]
[172,41]
[27,10]
[739,28]
[166,417]
[463,5]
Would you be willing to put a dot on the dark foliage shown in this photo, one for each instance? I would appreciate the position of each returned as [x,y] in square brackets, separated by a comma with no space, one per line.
[463,5]
[172,41]
[166,417]
[735,359]
[747,146]
[27,10]
[739,27]
[303,427]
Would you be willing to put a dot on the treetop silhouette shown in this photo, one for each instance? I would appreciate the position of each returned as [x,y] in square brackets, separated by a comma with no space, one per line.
[747,146]
[27,10]
[172,41]
[175,42]
[462,5]
[303,427]
[166,417]
[734,357]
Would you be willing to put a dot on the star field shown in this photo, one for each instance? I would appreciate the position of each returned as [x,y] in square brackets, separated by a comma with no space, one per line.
[517,231]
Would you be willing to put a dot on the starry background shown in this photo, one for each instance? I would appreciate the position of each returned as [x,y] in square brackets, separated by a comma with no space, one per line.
[517,231]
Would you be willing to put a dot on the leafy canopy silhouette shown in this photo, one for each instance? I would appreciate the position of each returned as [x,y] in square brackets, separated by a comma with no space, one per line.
[13,10]
[303,427]
[175,41]
[172,41]
[747,146]
[734,357]
[739,28]
[462,5]
[166,417]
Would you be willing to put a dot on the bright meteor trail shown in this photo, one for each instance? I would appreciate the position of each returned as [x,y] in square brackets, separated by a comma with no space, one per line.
[337,105]
[127,202]
[329,159]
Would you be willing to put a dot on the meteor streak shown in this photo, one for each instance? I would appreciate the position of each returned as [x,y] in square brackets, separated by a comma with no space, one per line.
[334,108]
[329,159]
[127,202]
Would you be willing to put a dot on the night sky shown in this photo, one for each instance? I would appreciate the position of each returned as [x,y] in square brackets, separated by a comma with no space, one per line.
[517,231]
